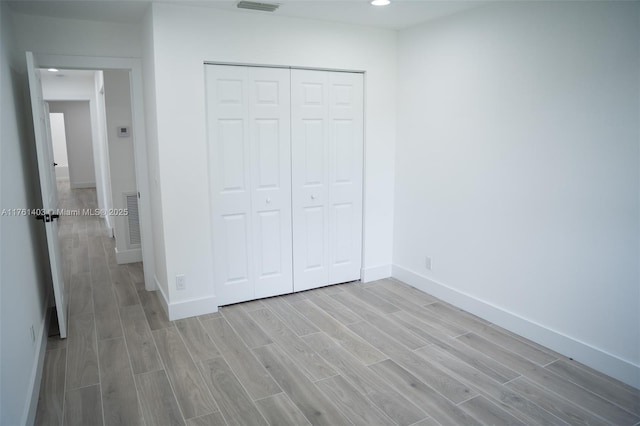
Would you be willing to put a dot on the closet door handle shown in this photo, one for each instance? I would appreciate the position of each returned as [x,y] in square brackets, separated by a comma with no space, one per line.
[268,200]
[313,197]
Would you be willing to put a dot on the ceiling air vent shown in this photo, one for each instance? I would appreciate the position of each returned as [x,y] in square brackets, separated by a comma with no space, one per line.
[254,5]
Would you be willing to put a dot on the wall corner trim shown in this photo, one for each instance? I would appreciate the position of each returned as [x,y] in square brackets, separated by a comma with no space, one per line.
[186,308]
[595,358]
[375,273]
[192,307]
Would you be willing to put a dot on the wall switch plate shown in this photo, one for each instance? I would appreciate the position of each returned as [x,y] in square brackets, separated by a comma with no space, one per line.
[181,282]
[427,262]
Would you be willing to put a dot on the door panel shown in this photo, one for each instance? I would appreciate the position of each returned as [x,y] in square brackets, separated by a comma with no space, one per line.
[46,171]
[249,144]
[313,237]
[343,220]
[327,151]
[269,253]
[236,238]
[313,143]
[268,152]
[229,148]
[343,160]
[269,113]
[346,143]
[310,177]
[231,139]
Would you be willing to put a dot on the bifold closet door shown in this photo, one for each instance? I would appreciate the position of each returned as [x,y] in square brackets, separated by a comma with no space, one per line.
[327,165]
[248,116]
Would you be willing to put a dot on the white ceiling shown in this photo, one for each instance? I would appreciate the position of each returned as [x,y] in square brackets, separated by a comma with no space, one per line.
[399,14]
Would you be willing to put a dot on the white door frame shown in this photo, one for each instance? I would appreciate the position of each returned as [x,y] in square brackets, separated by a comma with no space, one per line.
[139,138]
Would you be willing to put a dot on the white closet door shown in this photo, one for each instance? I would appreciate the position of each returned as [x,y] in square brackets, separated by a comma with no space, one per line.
[248,125]
[270,117]
[310,178]
[327,148]
[345,176]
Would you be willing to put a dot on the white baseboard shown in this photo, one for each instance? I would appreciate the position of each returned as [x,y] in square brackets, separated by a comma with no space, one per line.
[193,307]
[31,406]
[152,284]
[186,308]
[62,172]
[595,358]
[375,273]
[164,299]
[79,185]
[107,224]
[128,256]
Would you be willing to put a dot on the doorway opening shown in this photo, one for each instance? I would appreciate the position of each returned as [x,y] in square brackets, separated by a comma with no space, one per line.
[99,228]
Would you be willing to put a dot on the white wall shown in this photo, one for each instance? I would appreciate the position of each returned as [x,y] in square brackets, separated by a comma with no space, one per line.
[117,97]
[59,142]
[58,36]
[183,38]
[517,172]
[77,122]
[23,260]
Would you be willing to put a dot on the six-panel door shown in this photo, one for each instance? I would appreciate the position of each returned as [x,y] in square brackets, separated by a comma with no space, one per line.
[249,143]
[327,144]
[346,128]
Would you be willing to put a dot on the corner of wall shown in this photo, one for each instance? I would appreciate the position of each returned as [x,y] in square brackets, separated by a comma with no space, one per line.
[25,275]
[375,273]
[596,358]
[151,122]
[186,308]
[36,374]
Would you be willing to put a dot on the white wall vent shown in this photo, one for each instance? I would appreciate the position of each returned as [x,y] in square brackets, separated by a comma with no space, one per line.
[254,5]
[133,221]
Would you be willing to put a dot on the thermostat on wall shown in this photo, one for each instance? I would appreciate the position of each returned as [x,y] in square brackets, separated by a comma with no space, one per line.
[123,132]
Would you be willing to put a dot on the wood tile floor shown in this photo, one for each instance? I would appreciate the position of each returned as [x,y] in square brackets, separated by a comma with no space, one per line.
[381,353]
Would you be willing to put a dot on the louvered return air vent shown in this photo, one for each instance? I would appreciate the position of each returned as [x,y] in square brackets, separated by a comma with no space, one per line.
[133,222]
[254,5]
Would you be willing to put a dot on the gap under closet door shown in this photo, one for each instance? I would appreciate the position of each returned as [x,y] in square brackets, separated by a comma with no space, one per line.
[248,116]
[327,159]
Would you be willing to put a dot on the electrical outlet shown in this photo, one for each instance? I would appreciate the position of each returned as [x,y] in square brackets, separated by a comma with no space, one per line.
[33,334]
[427,262]
[181,282]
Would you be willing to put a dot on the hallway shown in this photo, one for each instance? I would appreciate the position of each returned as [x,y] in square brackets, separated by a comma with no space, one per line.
[101,295]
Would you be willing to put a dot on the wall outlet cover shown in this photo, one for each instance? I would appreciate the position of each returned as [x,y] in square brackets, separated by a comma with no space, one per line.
[427,262]
[181,282]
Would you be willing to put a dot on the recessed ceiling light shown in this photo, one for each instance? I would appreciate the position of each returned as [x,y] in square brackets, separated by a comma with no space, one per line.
[53,70]
[380,2]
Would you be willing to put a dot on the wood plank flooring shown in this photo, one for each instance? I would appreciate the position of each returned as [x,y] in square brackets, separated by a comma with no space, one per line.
[382,353]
